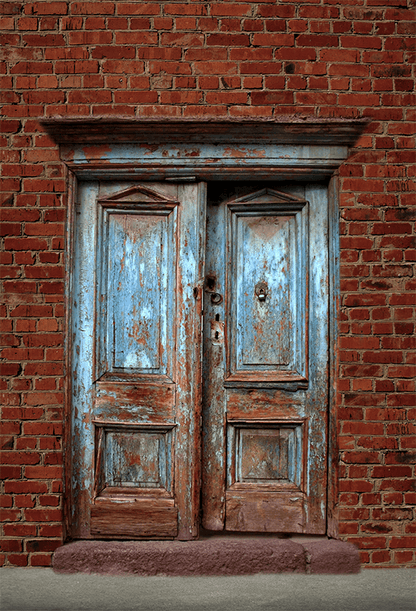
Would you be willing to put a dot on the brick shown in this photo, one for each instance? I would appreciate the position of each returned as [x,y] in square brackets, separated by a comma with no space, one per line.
[135,97]
[379,557]
[42,428]
[355,486]
[361,428]
[21,458]
[46,271]
[296,54]
[376,527]
[50,443]
[49,500]
[316,40]
[46,384]
[369,542]
[9,398]
[180,97]
[43,40]
[377,442]
[140,8]
[127,38]
[229,10]
[371,499]
[360,343]
[17,559]
[225,97]
[405,299]
[364,300]
[21,354]
[184,39]
[391,472]
[50,530]
[184,9]
[24,501]
[35,398]
[360,513]
[40,560]
[43,515]
[53,458]
[209,68]
[262,68]
[46,8]
[19,530]
[6,500]
[23,414]
[25,244]
[92,8]
[400,542]
[256,25]
[273,40]
[42,545]
[403,557]
[271,97]
[90,38]
[410,498]
[346,528]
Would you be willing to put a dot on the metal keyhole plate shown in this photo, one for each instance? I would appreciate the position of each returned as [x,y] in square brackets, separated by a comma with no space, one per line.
[261,290]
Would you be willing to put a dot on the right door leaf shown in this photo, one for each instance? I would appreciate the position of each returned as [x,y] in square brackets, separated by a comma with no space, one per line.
[266,385]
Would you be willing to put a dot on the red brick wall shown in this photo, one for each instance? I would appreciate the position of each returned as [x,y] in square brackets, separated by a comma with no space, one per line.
[325,58]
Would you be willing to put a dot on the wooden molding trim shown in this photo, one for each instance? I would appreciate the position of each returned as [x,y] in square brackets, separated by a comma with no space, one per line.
[115,129]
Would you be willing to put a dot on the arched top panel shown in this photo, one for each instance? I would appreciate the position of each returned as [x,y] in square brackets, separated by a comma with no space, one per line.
[136,195]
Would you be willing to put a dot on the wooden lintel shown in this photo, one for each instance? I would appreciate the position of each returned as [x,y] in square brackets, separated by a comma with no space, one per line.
[294,130]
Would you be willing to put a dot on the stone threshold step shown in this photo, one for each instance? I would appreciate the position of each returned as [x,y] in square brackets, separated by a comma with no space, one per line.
[211,556]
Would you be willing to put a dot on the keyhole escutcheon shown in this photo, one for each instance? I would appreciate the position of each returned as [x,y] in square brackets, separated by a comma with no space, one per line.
[261,290]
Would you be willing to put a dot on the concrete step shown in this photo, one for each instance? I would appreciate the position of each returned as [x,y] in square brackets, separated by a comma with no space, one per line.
[210,556]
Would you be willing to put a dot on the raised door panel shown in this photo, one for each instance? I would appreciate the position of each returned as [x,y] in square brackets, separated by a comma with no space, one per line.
[137,253]
[270,455]
[137,308]
[267,288]
[133,488]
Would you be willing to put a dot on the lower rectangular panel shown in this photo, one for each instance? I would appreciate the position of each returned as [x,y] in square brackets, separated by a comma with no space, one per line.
[136,519]
[254,511]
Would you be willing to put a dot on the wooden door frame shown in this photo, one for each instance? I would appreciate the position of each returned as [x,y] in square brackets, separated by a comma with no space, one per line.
[181,150]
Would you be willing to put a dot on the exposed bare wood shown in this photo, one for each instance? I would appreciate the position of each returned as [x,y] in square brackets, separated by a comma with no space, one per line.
[135,402]
[139,518]
[94,130]
[249,511]
[262,403]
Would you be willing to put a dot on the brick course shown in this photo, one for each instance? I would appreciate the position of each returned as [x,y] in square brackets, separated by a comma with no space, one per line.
[323,58]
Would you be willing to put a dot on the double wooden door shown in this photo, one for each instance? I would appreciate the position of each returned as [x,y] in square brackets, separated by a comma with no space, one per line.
[199,359]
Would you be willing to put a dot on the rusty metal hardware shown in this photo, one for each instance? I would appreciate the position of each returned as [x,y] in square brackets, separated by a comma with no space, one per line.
[216,298]
[261,290]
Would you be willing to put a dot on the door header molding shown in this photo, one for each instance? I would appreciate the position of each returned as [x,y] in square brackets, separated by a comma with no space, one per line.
[106,148]
[306,130]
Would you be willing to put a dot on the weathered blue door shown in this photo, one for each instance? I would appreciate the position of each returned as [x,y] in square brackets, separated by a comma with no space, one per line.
[136,366]
[190,319]
[265,396]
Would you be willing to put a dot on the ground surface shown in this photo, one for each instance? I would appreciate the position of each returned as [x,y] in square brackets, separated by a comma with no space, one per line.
[371,590]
